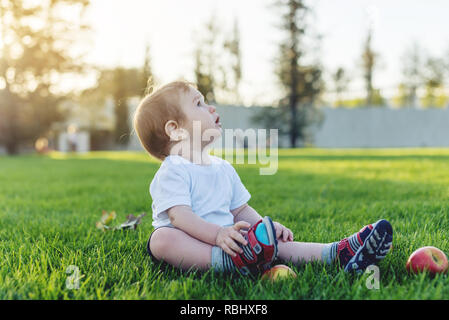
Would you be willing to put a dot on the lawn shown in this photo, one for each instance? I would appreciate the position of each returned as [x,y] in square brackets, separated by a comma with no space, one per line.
[49,206]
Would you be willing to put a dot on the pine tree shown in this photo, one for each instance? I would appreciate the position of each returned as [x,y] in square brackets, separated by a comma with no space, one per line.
[301,81]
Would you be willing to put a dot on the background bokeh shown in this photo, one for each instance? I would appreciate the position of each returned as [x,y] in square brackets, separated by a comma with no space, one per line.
[72,72]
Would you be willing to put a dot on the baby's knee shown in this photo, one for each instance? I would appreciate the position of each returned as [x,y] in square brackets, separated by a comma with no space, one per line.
[161,241]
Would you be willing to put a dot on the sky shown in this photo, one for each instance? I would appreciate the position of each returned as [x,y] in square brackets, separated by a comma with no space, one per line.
[122,28]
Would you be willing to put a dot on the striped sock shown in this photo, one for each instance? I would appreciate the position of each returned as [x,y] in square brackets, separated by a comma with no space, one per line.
[222,262]
[329,253]
[345,248]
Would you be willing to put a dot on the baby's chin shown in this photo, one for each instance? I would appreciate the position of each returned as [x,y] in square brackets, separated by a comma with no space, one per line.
[211,135]
[212,132]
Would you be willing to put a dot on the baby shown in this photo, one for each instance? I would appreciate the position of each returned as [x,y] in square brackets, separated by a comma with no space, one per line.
[201,215]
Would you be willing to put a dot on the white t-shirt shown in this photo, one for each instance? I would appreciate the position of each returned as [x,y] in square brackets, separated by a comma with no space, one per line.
[210,190]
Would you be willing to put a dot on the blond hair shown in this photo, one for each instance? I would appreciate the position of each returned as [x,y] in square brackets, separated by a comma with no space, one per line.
[154,111]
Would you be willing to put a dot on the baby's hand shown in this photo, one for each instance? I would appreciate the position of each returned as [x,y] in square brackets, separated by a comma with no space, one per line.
[227,237]
[283,233]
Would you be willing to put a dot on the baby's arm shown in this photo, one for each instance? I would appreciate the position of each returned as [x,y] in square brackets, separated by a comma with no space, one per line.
[183,218]
[248,214]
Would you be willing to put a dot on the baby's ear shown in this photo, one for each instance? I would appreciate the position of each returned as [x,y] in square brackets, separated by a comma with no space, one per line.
[173,130]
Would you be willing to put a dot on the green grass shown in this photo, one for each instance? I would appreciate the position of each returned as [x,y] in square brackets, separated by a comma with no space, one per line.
[49,206]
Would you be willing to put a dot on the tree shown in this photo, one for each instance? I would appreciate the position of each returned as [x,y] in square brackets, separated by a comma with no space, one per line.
[273,117]
[120,94]
[206,64]
[412,66]
[92,102]
[341,81]
[433,78]
[36,52]
[147,73]
[232,45]
[369,63]
[120,84]
[301,81]
[403,96]
[218,65]
[204,80]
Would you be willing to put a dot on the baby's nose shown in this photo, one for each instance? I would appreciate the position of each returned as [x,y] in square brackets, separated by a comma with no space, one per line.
[212,109]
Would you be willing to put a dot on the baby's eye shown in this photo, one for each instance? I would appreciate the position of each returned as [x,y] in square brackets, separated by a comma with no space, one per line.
[200,102]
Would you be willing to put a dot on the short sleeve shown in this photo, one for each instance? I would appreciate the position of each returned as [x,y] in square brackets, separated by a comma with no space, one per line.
[240,194]
[170,187]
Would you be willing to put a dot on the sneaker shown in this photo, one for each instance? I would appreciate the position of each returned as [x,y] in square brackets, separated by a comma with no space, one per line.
[375,242]
[261,250]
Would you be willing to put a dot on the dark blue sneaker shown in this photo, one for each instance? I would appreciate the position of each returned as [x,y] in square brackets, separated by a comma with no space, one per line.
[374,246]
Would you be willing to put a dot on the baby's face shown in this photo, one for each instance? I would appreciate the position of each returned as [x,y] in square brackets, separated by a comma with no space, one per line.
[200,114]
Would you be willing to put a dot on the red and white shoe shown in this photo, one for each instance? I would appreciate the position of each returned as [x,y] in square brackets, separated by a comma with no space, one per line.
[261,250]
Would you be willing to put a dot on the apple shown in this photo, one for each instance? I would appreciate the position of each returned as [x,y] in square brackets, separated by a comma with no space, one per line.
[427,259]
[278,272]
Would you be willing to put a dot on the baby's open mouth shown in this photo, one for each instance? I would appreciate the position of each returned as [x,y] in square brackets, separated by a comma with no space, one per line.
[217,121]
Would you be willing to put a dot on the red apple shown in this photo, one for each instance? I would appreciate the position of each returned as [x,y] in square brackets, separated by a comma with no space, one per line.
[278,272]
[427,258]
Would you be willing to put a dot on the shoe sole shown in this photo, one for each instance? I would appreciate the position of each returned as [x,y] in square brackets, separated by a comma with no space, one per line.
[271,235]
[375,247]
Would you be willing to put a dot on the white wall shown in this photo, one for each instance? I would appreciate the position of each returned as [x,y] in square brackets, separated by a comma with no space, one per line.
[356,128]
[383,128]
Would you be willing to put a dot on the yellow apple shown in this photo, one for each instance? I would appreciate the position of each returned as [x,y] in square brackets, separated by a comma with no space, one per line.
[278,272]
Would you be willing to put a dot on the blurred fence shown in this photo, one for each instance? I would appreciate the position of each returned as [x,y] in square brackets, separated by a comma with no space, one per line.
[382,128]
[355,128]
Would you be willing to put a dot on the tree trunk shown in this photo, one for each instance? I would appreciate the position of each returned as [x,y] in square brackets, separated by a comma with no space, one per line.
[293,121]
[11,139]
[11,147]
[294,78]
[294,99]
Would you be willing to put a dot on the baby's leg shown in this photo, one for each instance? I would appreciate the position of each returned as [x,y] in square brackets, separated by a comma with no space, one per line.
[300,252]
[179,249]
[354,253]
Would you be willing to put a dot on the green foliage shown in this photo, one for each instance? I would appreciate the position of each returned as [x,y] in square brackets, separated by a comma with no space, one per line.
[218,63]
[232,45]
[403,97]
[412,69]
[269,117]
[321,195]
[120,84]
[146,78]
[377,100]
[36,52]
[120,92]
[204,80]
[341,81]
[370,60]
[433,78]
[300,81]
